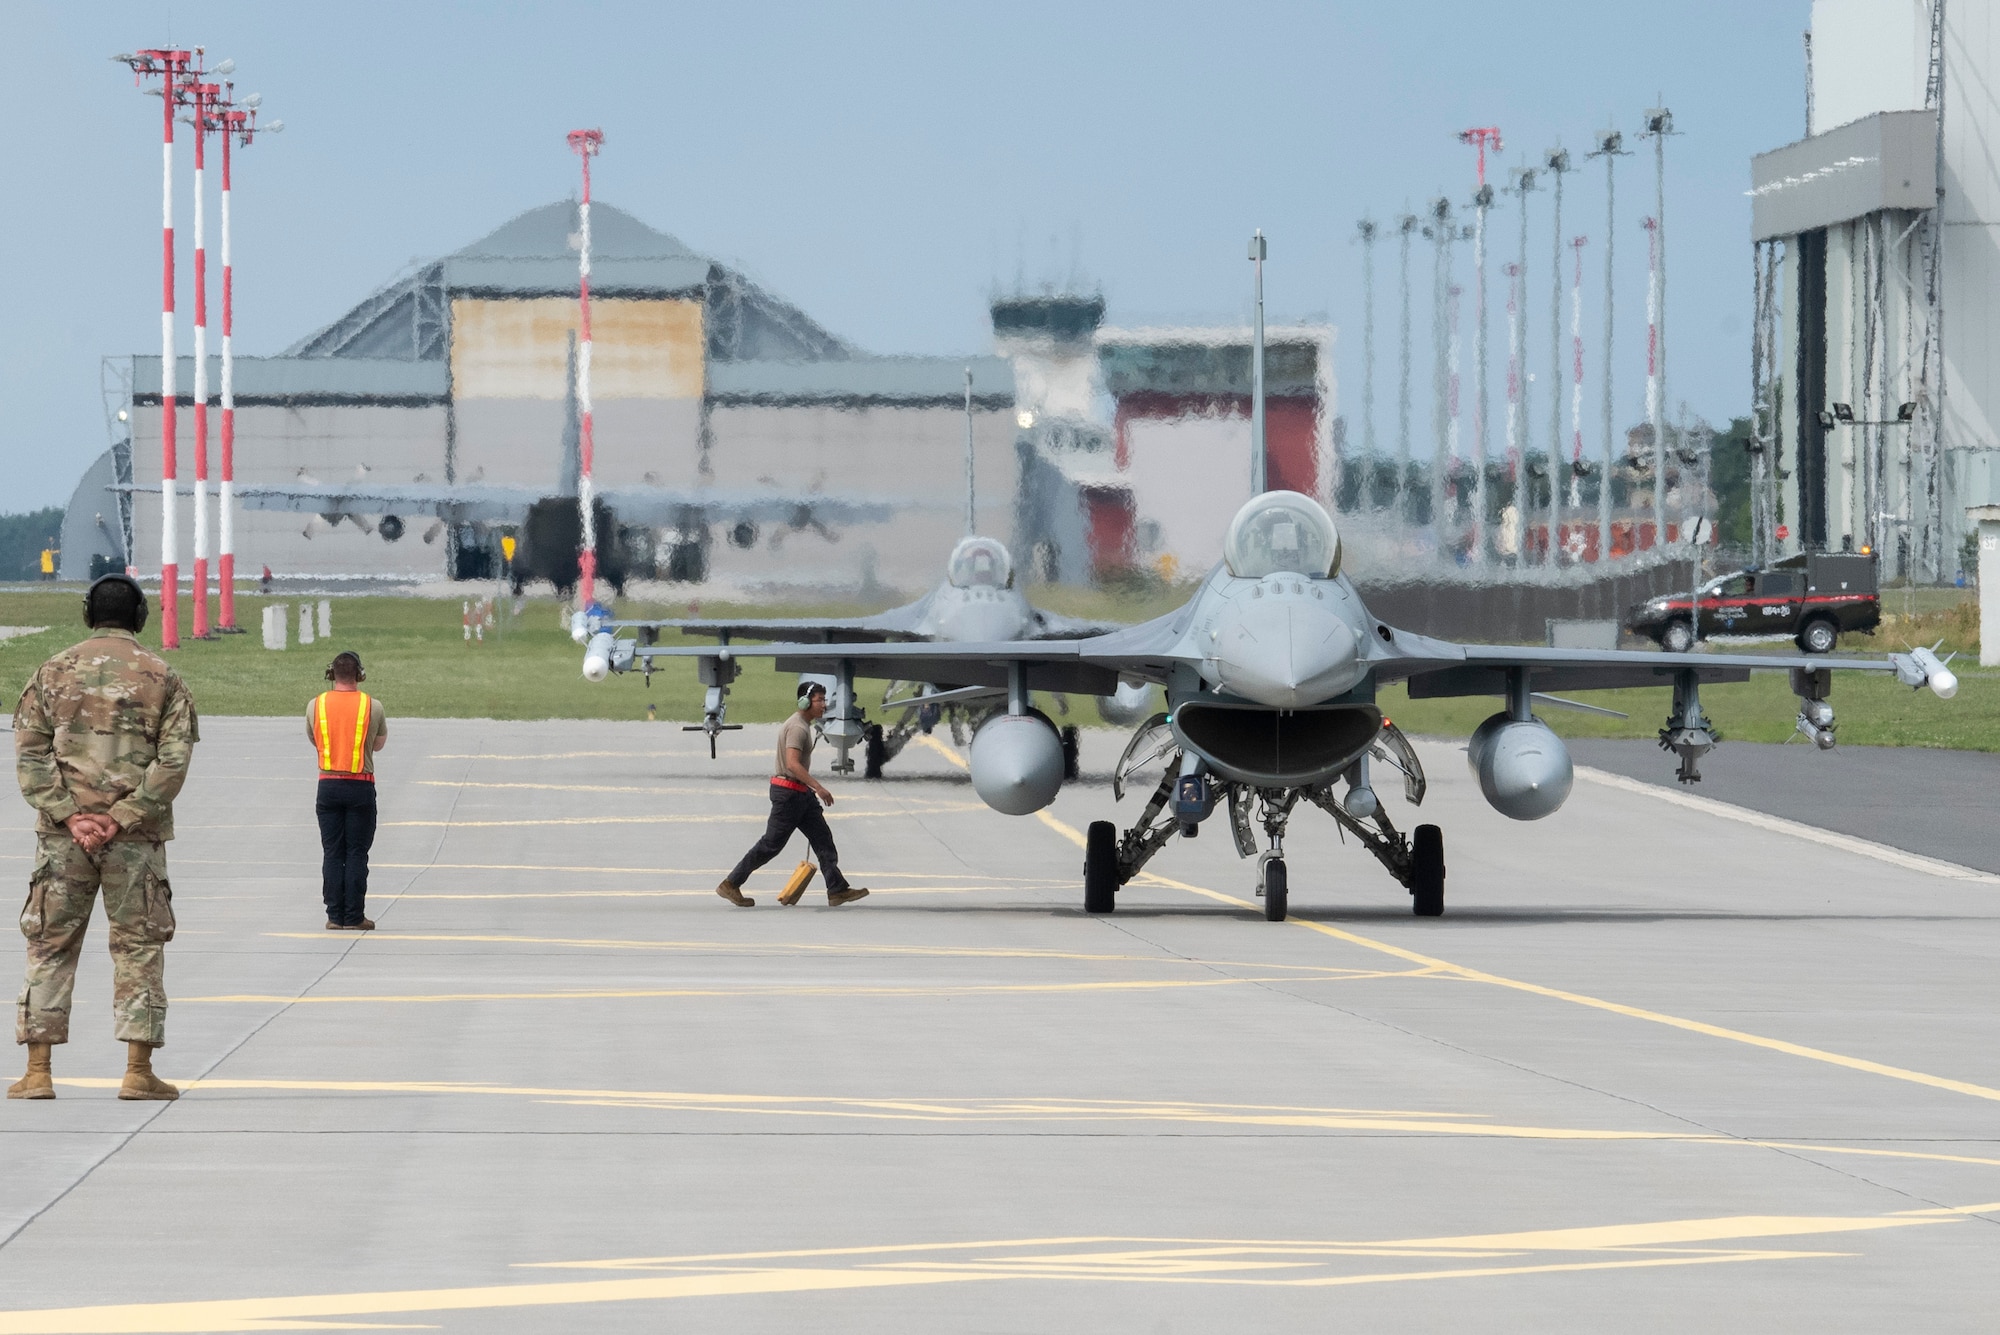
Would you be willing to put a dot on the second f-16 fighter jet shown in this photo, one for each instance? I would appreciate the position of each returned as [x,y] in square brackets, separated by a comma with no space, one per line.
[976,603]
[1271,673]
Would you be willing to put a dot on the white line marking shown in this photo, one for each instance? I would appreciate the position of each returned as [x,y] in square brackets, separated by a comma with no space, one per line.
[1846,843]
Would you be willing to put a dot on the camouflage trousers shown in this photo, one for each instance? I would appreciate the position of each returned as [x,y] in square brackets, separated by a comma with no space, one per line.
[139,904]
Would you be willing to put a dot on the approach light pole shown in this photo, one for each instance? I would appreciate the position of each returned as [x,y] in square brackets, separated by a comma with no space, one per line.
[237,123]
[169,67]
[202,99]
[1258,481]
[1842,414]
[585,144]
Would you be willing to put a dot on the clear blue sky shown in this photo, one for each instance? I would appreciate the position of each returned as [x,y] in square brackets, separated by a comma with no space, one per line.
[884,166]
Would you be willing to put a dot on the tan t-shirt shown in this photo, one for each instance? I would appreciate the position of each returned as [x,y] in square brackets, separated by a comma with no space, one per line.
[794,734]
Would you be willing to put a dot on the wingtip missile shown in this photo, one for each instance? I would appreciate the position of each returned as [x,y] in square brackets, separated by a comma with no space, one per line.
[1922,667]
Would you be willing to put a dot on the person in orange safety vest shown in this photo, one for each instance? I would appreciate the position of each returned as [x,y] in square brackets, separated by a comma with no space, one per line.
[347,727]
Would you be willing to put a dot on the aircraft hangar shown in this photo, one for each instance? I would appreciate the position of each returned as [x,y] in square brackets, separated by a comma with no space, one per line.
[459,372]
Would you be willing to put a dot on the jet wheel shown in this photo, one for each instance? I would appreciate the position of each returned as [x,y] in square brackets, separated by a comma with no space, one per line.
[1100,867]
[1427,871]
[1274,890]
[875,752]
[1069,753]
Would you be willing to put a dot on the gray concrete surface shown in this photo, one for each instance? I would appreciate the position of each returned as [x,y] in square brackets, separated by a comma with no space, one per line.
[564,1086]
[1937,803]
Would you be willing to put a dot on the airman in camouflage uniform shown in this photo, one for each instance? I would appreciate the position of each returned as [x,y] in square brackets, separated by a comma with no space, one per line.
[102,737]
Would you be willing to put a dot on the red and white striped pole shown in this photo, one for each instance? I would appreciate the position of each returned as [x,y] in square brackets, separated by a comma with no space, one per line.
[201,97]
[225,507]
[586,144]
[170,65]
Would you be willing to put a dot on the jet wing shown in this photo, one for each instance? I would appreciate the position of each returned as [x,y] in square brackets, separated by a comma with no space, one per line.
[1054,626]
[1477,669]
[661,507]
[1050,665]
[461,504]
[898,623]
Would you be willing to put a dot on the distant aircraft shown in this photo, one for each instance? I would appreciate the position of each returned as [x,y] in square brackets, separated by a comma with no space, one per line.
[976,603]
[1272,671]
[549,522]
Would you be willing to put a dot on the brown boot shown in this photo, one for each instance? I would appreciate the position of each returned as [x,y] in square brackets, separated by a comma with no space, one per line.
[836,898]
[140,1082]
[735,896]
[37,1083]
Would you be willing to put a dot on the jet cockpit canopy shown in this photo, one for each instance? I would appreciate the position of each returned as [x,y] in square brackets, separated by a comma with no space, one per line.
[1282,531]
[980,563]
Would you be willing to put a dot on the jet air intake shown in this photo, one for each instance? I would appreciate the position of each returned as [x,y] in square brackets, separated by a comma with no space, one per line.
[1523,768]
[1017,763]
[1275,748]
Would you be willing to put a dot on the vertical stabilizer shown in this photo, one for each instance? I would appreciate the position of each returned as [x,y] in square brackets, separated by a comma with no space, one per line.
[971,490]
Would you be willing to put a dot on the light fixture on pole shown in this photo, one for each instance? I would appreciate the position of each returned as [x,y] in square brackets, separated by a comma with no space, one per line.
[169,67]
[586,144]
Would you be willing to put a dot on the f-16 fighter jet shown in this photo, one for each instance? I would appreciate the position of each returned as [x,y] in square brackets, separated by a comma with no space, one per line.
[976,603]
[1271,672]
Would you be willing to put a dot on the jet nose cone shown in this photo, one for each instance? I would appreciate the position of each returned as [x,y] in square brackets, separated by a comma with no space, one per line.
[1286,652]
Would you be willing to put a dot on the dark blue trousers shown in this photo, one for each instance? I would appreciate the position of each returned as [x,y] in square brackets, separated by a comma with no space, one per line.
[346,809]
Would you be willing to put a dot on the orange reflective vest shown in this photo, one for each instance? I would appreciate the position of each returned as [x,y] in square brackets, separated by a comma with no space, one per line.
[342,721]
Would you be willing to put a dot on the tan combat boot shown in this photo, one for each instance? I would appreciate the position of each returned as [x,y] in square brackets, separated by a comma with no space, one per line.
[37,1083]
[140,1082]
[836,898]
[735,896]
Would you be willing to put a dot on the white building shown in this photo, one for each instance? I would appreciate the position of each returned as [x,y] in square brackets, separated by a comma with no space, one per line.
[1878,362]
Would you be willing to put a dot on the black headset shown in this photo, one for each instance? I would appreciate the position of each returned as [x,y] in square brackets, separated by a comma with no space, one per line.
[138,596]
[359,674]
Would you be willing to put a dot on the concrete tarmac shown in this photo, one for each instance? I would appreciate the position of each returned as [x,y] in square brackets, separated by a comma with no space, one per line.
[1661,1067]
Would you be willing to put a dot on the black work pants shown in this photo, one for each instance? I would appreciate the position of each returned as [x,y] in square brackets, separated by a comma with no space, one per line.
[346,809]
[791,810]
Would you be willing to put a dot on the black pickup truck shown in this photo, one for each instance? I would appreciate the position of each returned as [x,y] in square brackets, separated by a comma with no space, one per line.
[1815,597]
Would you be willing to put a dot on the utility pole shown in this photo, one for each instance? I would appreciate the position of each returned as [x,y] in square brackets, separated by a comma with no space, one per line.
[201,98]
[1654,396]
[1659,123]
[1366,231]
[586,145]
[237,124]
[1257,460]
[1556,163]
[1444,361]
[1405,225]
[1576,392]
[971,485]
[170,67]
[1521,477]
[1610,147]
[1482,200]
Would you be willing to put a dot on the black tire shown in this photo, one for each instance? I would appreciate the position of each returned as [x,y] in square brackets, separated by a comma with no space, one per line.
[1274,890]
[1100,867]
[1819,636]
[875,752]
[1069,753]
[1427,871]
[1677,636]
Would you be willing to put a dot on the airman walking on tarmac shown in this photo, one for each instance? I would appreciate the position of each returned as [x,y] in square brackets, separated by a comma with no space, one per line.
[102,738]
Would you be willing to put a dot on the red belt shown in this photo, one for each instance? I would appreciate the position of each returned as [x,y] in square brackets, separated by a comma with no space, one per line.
[792,784]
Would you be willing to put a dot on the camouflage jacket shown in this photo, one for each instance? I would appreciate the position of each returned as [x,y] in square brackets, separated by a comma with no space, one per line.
[105,727]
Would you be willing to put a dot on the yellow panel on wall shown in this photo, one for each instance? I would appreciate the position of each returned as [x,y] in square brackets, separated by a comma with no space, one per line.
[519,349]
